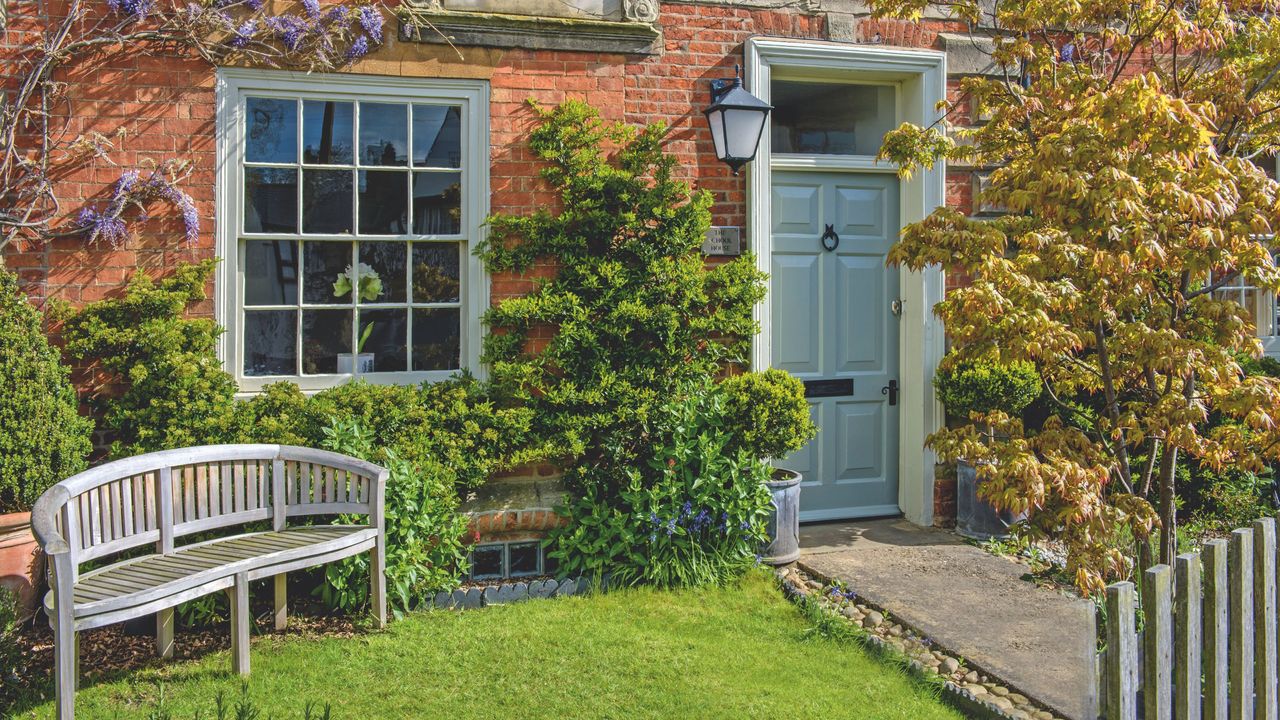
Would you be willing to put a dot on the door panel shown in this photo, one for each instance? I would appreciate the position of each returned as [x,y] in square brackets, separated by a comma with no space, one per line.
[832,321]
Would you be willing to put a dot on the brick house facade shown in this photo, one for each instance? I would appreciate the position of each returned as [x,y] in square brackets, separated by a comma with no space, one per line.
[166,108]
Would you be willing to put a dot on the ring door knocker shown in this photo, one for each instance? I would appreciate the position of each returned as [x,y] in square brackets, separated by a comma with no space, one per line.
[830,240]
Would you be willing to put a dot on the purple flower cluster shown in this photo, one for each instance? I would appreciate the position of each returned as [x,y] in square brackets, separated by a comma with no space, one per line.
[311,8]
[371,22]
[244,33]
[137,9]
[838,592]
[359,48]
[701,520]
[100,226]
[289,29]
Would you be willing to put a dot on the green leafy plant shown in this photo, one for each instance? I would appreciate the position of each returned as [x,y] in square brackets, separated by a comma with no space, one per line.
[629,308]
[425,551]
[43,439]
[692,513]
[982,386]
[12,658]
[766,413]
[175,392]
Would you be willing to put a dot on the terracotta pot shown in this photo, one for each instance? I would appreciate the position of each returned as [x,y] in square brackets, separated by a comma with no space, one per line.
[21,562]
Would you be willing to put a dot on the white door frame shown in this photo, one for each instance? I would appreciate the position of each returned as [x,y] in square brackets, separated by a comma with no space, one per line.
[921,78]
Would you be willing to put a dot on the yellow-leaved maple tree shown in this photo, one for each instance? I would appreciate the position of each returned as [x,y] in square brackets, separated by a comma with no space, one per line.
[1127,140]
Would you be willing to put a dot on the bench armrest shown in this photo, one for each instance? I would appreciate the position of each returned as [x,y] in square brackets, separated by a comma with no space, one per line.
[44,523]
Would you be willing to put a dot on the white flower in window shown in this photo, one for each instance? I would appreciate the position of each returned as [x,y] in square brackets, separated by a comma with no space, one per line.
[360,276]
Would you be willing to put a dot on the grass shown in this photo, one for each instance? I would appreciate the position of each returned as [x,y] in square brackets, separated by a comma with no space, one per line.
[737,652]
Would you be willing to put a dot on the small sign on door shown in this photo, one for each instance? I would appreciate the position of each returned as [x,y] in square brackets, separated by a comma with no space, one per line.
[722,240]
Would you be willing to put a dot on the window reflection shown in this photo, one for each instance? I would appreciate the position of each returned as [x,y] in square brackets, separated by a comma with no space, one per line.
[384,134]
[327,132]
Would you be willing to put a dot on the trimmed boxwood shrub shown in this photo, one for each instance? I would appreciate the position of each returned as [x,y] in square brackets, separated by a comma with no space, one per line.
[983,387]
[767,414]
[43,438]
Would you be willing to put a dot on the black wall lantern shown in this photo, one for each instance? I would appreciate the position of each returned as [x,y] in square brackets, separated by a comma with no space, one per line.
[737,120]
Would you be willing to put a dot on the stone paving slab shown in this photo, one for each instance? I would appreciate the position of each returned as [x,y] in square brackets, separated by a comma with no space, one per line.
[1038,640]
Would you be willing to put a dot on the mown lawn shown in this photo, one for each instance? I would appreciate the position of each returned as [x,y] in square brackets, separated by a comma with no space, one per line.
[740,652]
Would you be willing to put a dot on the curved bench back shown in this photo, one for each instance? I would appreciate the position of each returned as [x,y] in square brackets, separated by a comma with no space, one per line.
[160,496]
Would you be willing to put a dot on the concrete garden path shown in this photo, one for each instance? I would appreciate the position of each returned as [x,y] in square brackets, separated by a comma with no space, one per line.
[972,603]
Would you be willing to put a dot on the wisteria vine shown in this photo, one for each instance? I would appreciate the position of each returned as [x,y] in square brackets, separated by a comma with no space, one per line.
[221,32]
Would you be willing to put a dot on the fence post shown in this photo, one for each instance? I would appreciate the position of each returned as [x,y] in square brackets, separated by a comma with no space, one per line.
[1216,633]
[1240,560]
[1122,653]
[1157,640]
[1264,618]
[1186,637]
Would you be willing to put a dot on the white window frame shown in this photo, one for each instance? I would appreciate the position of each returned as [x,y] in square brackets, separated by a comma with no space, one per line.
[233,84]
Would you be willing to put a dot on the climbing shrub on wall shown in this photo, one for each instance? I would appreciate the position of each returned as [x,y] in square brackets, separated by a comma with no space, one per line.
[632,309]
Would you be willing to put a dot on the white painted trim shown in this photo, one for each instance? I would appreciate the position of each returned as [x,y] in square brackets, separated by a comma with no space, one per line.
[472,95]
[921,78]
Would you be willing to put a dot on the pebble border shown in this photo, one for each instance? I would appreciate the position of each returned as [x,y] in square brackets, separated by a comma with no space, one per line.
[978,694]
[506,593]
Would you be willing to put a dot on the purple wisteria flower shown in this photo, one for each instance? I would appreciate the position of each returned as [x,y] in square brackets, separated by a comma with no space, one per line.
[106,227]
[359,48]
[288,29]
[337,15]
[138,9]
[312,8]
[371,22]
[244,33]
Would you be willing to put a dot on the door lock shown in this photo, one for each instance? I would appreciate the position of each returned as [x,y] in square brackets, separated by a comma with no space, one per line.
[895,307]
[892,391]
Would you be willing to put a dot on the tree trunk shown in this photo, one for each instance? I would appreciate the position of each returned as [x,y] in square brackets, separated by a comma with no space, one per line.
[1168,509]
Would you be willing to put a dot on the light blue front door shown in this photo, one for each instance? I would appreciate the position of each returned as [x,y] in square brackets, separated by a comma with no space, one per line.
[834,326]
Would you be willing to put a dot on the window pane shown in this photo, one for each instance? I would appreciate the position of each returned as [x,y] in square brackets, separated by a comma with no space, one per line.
[326,201]
[437,203]
[270,200]
[269,342]
[386,261]
[435,272]
[437,136]
[435,339]
[271,133]
[270,272]
[522,558]
[327,129]
[384,202]
[486,562]
[384,134]
[326,265]
[326,340]
[831,118]
[383,333]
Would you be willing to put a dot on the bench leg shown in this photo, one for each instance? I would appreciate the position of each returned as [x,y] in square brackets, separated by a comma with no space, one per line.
[240,625]
[378,582]
[164,633]
[281,604]
[66,662]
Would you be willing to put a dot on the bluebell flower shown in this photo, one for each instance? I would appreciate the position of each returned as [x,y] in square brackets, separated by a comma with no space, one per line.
[745,525]
[653,519]
[671,527]
[701,520]
[371,21]
[686,510]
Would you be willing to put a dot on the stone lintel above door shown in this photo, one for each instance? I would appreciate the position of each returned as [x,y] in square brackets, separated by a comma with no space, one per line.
[626,27]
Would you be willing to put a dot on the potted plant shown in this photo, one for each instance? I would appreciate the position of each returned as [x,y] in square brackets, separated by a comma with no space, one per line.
[974,388]
[368,287]
[43,438]
[771,419]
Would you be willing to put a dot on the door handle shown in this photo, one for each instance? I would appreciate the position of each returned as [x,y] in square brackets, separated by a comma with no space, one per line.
[892,391]
[830,240]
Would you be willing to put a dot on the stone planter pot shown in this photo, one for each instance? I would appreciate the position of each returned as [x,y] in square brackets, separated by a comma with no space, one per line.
[975,517]
[21,562]
[784,524]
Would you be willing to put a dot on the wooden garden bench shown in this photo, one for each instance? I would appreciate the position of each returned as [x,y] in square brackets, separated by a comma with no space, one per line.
[153,500]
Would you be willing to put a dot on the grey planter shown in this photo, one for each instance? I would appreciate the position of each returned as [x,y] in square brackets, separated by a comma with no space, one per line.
[975,517]
[784,523]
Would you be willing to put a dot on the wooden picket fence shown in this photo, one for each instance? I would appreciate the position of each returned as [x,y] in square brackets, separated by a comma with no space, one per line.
[1208,645]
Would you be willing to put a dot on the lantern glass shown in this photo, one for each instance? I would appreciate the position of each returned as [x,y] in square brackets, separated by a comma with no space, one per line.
[742,130]
[715,119]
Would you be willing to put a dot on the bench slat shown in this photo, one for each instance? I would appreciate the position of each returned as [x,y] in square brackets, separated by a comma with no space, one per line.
[140,581]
